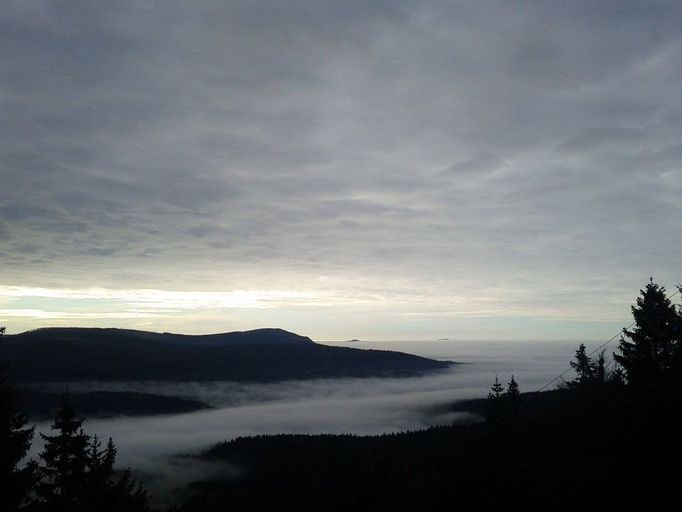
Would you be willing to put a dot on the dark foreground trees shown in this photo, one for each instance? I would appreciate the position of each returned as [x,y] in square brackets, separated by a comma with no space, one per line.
[15,440]
[649,353]
[501,401]
[589,372]
[652,348]
[76,474]
[597,443]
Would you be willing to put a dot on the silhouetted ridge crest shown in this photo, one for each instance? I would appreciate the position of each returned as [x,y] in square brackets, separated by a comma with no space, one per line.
[102,334]
[265,355]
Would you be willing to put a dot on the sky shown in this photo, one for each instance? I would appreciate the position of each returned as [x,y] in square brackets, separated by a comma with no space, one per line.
[341,169]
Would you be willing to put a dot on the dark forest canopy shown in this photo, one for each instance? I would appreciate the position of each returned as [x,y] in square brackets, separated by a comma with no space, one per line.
[41,404]
[606,439]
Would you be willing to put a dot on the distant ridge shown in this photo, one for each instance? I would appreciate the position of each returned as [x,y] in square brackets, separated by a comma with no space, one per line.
[100,335]
[79,354]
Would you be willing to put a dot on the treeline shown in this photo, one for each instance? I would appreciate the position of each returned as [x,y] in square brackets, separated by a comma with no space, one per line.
[607,439]
[73,473]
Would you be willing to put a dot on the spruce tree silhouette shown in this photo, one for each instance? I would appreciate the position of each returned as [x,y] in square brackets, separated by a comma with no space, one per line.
[584,368]
[513,393]
[648,351]
[77,475]
[101,492]
[496,390]
[599,369]
[64,463]
[496,398]
[15,440]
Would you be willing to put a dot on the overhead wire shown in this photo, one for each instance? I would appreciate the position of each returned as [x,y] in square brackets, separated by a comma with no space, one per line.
[592,424]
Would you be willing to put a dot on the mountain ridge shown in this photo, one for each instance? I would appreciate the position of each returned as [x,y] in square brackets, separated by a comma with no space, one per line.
[266,334]
[264,355]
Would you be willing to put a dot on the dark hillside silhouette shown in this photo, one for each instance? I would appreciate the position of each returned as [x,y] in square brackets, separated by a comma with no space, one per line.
[597,443]
[264,355]
[609,439]
[43,404]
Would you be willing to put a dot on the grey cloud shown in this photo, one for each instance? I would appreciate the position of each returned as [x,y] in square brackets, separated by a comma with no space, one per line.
[248,139]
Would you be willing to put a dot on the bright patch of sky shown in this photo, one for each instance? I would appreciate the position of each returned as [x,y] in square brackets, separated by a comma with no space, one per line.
[394,169]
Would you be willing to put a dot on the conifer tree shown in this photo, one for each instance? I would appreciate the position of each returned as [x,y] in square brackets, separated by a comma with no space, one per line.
[599,369]
[64,463]
[496,391]
[77,475]
[513,392]
[677,351]
[583,367]
[495,400]
[102,491]
[648,350]
[15,440]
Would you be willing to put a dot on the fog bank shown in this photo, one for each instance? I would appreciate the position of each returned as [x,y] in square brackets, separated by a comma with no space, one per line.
[357,406]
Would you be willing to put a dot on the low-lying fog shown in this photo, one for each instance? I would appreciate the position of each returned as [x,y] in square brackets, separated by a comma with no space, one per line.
[358,406]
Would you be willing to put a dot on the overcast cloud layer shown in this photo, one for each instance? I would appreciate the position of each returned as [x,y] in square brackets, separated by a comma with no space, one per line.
[393,168]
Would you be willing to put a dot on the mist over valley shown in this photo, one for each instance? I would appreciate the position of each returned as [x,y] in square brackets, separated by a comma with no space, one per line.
[340,255]
[359,406]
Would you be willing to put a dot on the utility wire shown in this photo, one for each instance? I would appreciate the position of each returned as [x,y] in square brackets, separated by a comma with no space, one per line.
[585,429]
[489,425]
[520,474]
[600,347]
[569,369]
